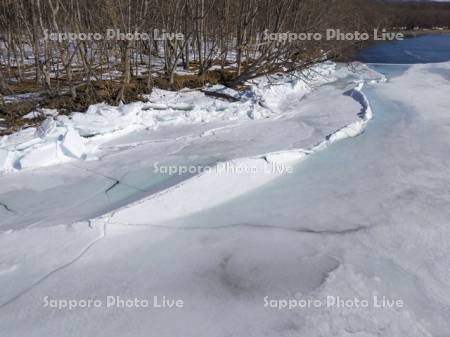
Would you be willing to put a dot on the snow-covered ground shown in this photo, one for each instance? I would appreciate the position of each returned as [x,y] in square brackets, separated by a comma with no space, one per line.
[350,220]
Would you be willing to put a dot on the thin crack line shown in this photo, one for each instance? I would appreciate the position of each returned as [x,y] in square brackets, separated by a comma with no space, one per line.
[54,271]
[6,207]
[253,226]
[115,180]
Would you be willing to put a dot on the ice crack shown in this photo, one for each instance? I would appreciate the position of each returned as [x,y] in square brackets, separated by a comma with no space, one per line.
[7,208]
[254,226]
[63,266]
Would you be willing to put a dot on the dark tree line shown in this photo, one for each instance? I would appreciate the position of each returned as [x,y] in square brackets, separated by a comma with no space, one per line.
[414,14]
[223,41]
[217,33]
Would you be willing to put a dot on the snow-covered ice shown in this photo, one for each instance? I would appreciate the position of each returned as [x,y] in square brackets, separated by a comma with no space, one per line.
[356,218]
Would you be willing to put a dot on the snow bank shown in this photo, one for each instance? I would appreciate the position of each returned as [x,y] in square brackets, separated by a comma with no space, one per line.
[64,138]
[103,118]
[272,91]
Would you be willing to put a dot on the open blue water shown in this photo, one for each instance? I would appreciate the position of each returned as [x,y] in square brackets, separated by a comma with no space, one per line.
[423,49]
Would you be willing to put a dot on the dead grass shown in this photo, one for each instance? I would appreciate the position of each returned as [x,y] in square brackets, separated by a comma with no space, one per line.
[195,81]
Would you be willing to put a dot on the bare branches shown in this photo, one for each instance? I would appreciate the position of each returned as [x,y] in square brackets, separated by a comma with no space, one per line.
[221,36]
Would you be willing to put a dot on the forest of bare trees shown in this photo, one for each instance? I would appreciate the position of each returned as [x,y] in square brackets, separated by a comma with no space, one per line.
[221,33]
[222,42]
[414,14]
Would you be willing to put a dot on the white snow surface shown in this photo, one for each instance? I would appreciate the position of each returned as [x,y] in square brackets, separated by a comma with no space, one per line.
[358,218]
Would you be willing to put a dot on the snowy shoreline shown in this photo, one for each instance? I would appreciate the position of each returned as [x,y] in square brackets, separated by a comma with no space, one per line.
[62,139]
